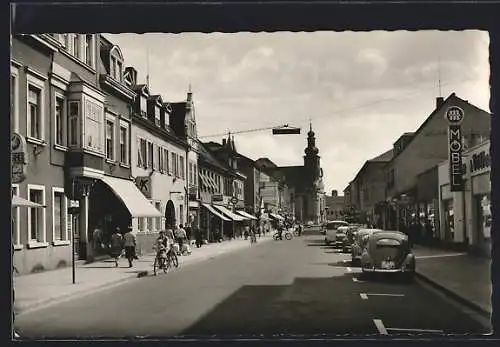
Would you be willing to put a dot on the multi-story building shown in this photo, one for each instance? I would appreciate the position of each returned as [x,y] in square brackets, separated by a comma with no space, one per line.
[158,163]
[424,149]
[335,206]
[183,123]
[370,181]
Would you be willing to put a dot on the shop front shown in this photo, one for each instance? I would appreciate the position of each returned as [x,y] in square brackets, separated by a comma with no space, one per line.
[478,172]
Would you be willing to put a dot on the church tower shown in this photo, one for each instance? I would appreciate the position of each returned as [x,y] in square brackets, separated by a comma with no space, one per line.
[311,158]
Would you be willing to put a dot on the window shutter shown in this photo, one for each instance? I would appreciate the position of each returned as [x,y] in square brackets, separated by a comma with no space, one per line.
[139,153]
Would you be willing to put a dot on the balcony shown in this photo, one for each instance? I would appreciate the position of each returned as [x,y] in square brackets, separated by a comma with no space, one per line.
[80,159]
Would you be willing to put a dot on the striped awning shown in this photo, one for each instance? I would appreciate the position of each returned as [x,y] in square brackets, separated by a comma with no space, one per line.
[247,215]
[233,216]
[215,213]
[276,216]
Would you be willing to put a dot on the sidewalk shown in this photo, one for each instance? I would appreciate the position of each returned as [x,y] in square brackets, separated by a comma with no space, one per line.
[43,289]
[464,277]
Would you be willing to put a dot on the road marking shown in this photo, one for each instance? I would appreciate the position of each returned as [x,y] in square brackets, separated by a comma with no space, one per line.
[439,255]
[374,294]
[416,330]
[349,269]
[354,279]
[363,296]
[380,327]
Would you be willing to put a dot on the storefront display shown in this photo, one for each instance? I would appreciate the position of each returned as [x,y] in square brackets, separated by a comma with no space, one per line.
[449,220]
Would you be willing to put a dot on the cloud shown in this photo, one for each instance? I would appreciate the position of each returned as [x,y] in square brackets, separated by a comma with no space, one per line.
[362,90]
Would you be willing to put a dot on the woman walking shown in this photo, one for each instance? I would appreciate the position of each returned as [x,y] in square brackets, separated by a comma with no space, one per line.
[116,245]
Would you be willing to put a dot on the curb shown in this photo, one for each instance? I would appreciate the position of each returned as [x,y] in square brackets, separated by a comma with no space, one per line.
[457,297]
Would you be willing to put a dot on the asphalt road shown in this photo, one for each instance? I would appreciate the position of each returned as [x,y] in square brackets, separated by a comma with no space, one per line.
[297,287]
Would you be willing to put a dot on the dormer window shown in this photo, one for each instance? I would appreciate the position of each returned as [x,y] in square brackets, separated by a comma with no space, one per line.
[144,105]
[116,64]
[157,115]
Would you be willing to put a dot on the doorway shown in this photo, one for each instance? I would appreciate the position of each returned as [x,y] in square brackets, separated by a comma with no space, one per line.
[169,215]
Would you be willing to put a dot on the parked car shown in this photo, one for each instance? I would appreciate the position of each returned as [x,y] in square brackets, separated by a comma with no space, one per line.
[351,233]
[331,231]
[388,252]
[360,243]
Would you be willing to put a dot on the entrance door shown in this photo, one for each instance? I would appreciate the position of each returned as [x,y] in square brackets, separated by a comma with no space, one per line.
[170,215]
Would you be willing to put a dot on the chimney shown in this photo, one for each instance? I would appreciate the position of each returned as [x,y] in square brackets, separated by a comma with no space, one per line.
[224,142]
[439,101]
[334,193]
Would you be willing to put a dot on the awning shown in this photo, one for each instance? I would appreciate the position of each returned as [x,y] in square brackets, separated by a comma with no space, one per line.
[17,201]
[276,216]
[212,183]
[248,215]
[132,198]
[206,181]
[230,214]
[212,210]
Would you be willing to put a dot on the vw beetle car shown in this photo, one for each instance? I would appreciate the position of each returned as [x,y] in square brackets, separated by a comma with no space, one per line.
[360,242]
[331,231]
[388,252]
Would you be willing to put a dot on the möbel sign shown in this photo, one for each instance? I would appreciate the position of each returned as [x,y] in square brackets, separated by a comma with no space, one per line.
[19,158]
[455,115]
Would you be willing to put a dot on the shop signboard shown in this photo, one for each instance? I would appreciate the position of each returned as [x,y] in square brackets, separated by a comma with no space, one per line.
[217,198]
[455,115]
[19,158]
[144,185]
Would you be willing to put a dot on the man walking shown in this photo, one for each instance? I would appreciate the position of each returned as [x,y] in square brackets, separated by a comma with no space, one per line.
[181,236]
[130,244]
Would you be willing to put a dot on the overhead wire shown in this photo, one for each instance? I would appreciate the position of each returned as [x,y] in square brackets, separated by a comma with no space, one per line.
[328,114]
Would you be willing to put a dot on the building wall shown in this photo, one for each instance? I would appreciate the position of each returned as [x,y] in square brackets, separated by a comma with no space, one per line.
[430,146]
[45,166]
[163,185]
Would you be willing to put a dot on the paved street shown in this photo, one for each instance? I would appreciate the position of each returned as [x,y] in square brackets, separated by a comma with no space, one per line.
[287,287]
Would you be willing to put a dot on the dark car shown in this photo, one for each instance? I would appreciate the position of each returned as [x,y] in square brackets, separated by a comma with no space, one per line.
[388,252]
[349,239]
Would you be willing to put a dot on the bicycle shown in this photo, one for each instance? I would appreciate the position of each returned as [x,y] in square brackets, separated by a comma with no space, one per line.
[287,234]
[165,260]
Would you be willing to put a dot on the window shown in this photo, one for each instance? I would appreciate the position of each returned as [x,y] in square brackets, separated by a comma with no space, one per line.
[141,155]
[76,45]
[112,67]
[59,120]
[141,223]
[158,219]
[16,231]
[123,145]
[110,129]
[166,166]
[36,216]
[14,98]
[150,223]
[174,164]
[93,126]
[73,116]
[119,71]
[160,158]
[144,106]
[182,170]
[89,45]
[157,116]
[150,155]
[190,174]
[34,112]
[59,215]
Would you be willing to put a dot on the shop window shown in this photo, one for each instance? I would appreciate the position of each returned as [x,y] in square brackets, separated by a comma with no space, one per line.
[141,223]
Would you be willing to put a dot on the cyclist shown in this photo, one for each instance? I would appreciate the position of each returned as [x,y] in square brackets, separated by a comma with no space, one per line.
[161,245]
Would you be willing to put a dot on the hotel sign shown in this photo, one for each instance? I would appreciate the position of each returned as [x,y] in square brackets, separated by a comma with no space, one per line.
[455,115]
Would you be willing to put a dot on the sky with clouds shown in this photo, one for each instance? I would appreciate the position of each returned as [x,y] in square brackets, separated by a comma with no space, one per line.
[361,90]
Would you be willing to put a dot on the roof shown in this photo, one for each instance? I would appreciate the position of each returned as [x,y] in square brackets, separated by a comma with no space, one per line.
[206,156]
[385,234]
[428,119]
[384,157]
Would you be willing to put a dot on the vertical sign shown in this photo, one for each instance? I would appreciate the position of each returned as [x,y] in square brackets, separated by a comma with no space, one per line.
[19,158]
[455,115]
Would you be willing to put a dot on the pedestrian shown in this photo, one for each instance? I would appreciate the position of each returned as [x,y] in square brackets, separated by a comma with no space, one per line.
[300,228]
[97,237]
[198,237]
[247,232]
[130,244]
[116,245]
[188,233]
[181,237]
[253,239]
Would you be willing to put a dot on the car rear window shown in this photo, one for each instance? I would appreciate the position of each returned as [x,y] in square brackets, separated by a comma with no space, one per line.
[388,243]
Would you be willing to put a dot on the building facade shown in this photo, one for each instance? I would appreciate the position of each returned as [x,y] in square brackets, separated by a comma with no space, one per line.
[335,206]
[424,149]
[465,216]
